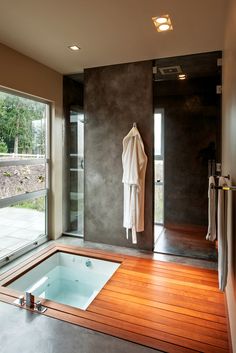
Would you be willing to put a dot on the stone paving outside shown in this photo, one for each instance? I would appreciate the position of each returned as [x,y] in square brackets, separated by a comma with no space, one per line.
[19,227]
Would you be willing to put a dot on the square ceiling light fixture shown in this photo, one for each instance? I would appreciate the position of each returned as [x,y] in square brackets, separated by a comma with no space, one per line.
[74,47]
[162,23]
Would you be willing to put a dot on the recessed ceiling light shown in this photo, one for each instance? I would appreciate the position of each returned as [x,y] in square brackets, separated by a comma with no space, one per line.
[162,23]
[164,27]
[161,20]
[74,47]
[182,77]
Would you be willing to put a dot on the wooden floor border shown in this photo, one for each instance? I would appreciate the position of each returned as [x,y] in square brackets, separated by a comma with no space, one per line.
[170,307]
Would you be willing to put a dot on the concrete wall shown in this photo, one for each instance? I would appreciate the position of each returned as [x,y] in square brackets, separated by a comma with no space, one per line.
[229,156]
[192,114]
[22,74]
[115,97]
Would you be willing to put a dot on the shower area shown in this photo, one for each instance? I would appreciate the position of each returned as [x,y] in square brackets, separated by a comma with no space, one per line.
[190,151]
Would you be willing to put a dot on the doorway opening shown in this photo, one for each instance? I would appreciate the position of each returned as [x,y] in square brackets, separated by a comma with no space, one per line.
[186,90]
[158,172]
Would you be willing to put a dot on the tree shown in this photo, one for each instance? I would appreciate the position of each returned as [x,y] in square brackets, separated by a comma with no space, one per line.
[3,146]
[16,116]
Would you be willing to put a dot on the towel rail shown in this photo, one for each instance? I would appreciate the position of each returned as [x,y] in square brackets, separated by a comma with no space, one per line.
[225,188]
[224,176]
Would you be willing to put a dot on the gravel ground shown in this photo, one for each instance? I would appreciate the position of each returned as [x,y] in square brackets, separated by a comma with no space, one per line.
[15,180]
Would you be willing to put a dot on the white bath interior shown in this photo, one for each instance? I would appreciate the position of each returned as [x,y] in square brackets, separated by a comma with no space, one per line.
[68,279]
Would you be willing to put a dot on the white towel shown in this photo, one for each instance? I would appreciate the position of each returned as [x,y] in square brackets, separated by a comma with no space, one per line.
[222,235]
[211,233]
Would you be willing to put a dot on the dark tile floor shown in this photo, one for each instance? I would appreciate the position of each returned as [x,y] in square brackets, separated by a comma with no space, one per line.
[185,243]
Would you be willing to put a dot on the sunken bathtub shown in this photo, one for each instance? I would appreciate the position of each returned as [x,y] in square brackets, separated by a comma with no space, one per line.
[64,276]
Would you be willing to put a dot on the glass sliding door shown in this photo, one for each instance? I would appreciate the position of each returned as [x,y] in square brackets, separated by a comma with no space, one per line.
[75,133]
[23,174]
[159,167]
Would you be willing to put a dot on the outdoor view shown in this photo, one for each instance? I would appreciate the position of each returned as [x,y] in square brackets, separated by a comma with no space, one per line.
[76,174]
[23,176]
[158,168]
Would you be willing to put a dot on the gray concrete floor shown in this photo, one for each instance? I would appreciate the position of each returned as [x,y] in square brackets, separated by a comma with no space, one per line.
[22,331]
[26,332]
[76,241]
[19,227]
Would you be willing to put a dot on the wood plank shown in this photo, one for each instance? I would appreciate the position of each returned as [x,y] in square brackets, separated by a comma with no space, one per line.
[158,279]
[170,266]
[147,282]
[120,333]
[160,315]
[109,294]
[190,331]
[135,328]
[153,288]
[138,338]
[172,299]
[173,275]
[159,269]
[174,308]
[99,254]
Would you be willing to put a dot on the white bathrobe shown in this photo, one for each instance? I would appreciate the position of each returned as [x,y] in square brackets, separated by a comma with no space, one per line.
[134,162]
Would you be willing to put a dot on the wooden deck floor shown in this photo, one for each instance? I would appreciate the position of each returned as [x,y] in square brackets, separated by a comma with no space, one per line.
[166,306]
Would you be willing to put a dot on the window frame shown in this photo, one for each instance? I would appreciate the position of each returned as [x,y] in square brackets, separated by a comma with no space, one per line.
[5,202]
[160,156]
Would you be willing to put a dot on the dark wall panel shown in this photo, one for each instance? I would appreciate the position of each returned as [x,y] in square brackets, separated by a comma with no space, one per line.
[192,112]
[115,97]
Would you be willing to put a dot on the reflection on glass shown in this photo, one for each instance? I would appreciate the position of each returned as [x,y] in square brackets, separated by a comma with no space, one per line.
[158,169]
[22,128]
[157,134]
[20,179]
[158,205]
[76,174]
[21,224]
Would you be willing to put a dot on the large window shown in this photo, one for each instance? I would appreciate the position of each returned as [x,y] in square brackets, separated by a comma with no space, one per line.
[23,174]
[159,167]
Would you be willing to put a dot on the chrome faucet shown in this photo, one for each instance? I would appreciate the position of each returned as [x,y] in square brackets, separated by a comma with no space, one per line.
[29,300]
[88,263]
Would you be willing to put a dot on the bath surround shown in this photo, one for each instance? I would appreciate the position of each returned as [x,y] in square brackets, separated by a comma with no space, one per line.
[165,306]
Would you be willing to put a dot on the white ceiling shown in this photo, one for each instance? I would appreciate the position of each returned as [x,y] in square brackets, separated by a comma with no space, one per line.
[109,31]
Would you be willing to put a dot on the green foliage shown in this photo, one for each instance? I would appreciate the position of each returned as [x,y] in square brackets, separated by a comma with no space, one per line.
[17,115]
[3,146]
[36,204]
[41,178]
[7,174]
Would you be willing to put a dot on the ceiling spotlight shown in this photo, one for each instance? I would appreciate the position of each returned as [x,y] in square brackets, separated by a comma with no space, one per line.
[162,23]
[164,27]
[74,47]
[161,20]
[182,77]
